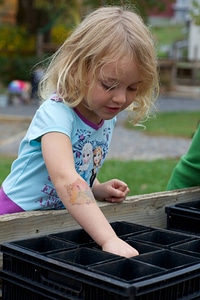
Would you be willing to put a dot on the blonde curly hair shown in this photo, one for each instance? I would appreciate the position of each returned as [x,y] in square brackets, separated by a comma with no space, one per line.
[106,35]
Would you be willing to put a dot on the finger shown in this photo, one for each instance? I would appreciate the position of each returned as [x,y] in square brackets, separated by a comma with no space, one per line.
[115,199]
[123,188]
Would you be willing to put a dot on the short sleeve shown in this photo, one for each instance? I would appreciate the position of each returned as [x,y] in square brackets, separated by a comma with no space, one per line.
[52,116]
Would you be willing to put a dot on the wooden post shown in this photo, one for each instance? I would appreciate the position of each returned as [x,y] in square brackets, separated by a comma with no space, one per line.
[39,44]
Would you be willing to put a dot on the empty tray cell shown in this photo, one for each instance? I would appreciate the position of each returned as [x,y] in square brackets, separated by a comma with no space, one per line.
[78,236]
[84,256]
[44,245]
[125,228]
[142,247]
[189,248]
[162,238]
[167,259]
[128,270]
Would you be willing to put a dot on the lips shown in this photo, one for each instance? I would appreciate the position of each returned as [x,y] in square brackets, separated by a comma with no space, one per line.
[113,109]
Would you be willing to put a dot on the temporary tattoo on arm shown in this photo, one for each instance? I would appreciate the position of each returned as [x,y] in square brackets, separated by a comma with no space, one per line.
[79,193]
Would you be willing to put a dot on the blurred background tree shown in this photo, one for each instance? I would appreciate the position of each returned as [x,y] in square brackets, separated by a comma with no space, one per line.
[54,20]
[195,12]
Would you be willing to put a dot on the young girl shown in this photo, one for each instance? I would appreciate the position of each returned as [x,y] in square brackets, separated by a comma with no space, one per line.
[107,65]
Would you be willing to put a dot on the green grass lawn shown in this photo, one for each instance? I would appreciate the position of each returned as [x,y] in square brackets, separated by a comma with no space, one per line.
[180,124]
[167,35]
[142,177]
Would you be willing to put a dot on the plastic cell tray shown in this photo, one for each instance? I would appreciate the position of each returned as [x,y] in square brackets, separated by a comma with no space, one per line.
[184,217]
[87,273]
[161,238]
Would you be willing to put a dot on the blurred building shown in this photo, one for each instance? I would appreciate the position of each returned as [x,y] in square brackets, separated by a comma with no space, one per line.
[181,9]
[194,36]
[161,17]
[182,13]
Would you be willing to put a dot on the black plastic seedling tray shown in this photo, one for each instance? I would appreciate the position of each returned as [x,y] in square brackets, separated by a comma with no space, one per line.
[123,279]
[85,273]
[184,218]
[192,205]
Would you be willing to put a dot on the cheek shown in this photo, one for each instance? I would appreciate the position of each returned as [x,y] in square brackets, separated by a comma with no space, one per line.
[98,92]
[130,98]
[98,97]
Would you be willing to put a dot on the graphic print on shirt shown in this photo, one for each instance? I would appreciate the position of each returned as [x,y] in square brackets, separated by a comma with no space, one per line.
[89,154]
[50,199]
[97,157]
[86,160]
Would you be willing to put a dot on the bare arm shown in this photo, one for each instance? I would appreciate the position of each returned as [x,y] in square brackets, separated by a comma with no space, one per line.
[77,196]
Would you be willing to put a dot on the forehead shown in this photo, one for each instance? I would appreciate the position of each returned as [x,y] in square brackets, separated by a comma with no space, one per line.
[124,68]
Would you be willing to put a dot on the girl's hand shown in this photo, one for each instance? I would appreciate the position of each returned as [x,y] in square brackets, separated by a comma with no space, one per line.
[114,191]
[119,247]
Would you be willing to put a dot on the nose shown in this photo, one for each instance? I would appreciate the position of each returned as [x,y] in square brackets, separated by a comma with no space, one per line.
[119,97]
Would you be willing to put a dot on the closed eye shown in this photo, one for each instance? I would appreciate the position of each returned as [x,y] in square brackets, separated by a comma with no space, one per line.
[134,89]
[107,86]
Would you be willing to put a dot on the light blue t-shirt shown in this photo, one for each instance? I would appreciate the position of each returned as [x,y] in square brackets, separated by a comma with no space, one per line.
[29,184]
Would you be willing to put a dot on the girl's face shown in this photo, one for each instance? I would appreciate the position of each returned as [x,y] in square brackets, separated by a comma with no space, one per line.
[114,91]
[97,158]
[86,156]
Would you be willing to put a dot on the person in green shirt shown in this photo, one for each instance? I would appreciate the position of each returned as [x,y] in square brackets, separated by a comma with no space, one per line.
[187,172]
